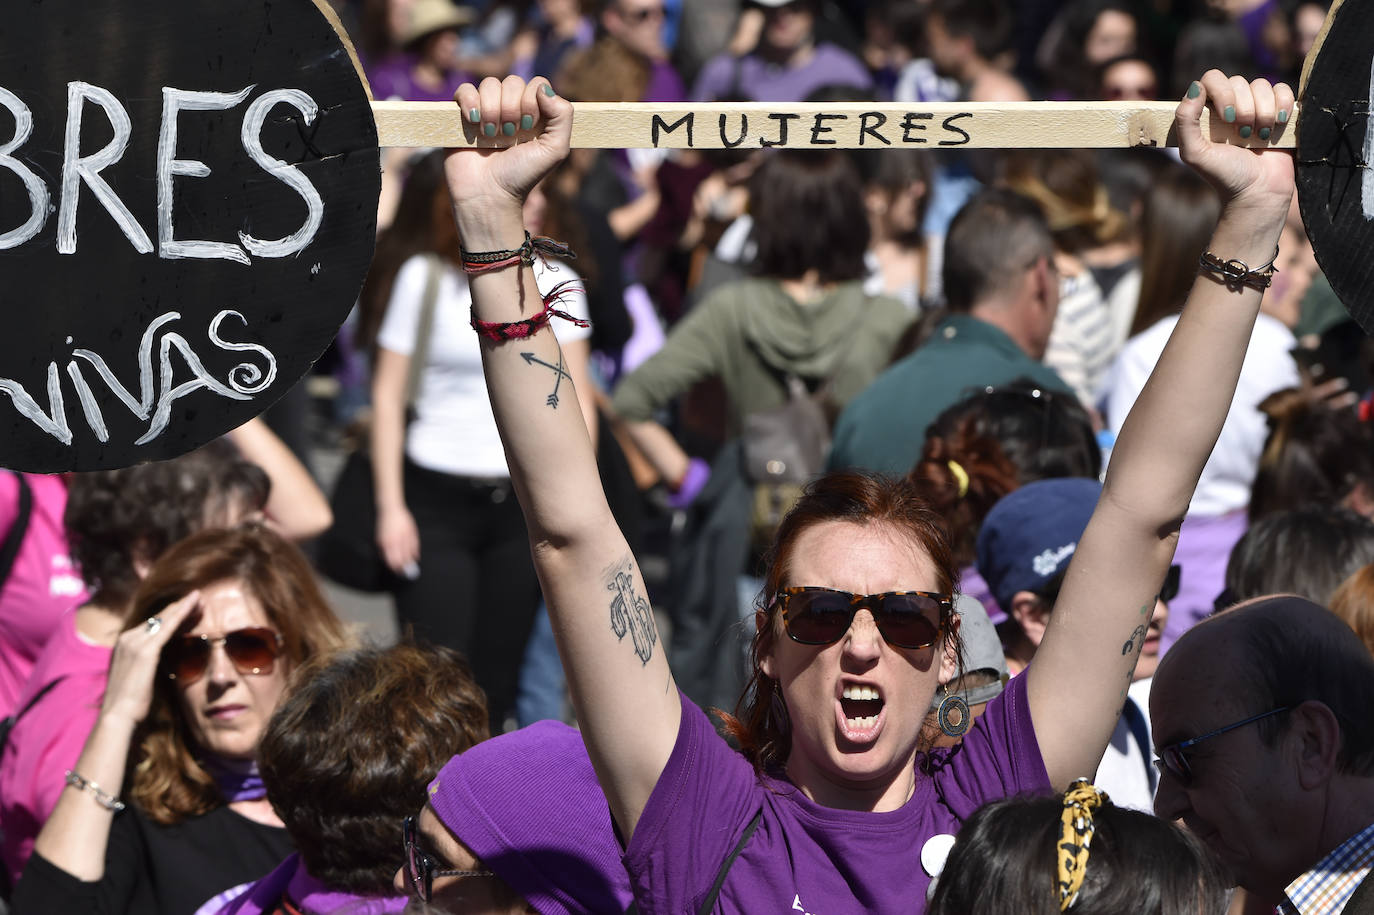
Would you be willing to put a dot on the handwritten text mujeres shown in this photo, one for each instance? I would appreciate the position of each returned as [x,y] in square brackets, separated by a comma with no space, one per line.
[790,129]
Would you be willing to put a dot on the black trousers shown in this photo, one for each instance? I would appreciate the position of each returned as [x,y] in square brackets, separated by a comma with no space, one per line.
[477,592]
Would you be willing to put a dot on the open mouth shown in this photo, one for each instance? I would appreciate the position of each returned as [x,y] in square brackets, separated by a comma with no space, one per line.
[861,706]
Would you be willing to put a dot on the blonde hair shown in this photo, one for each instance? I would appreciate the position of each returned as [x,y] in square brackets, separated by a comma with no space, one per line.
[167,781]
[1066,186]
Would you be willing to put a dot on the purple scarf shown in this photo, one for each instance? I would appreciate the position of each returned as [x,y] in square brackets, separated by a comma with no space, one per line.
[291,879]
[238,779]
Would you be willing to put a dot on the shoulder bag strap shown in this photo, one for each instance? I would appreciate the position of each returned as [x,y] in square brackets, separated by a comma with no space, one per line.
[1135,721]
[709,902]
[15,538]
[425,332]
[34,701]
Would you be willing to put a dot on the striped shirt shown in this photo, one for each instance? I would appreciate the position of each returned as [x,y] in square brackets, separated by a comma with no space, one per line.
[1328,885]
[1082,344]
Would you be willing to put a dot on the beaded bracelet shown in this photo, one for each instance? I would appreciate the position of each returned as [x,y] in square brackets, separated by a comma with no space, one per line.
[108,801]
[486,261]
[500,332]
[1235,274]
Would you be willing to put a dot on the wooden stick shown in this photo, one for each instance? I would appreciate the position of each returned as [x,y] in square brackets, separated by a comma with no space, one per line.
[629,125]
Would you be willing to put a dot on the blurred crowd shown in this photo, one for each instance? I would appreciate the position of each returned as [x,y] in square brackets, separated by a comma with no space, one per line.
[980,323]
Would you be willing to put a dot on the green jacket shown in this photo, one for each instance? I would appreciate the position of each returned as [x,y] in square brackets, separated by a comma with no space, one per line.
[884,428]
[747,332]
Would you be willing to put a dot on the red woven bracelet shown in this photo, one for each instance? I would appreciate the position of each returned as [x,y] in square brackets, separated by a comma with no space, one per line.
[500,332]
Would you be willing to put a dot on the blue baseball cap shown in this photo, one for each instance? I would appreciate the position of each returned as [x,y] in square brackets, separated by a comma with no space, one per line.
[1030,535]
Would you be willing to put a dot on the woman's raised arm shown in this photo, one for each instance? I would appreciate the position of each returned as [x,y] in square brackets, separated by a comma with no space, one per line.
[76,835]
[627,704]
[1085,662]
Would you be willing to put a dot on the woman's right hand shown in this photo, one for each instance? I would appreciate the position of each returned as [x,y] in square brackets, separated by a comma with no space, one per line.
[398,538]
[502,172]
[133,666]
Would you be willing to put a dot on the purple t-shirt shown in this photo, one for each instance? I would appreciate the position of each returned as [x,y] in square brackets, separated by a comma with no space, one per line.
[752,79]
[392,79]
[664,84]
[804,857]
[1204,548]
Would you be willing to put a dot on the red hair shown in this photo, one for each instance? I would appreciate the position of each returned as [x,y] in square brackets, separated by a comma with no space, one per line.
[1354,603]
[963,502]
[760,724]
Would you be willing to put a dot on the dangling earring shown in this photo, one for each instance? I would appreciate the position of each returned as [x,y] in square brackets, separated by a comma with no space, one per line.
[779,705]
[953,714]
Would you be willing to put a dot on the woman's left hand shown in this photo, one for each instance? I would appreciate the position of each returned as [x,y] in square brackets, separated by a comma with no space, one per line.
[1244,177]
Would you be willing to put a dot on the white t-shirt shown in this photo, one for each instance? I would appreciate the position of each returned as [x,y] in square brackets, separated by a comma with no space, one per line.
[1124,772]
[1268,367]
[454,430]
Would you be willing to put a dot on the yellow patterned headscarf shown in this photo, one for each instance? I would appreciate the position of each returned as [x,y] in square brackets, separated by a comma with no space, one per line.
[1075,836]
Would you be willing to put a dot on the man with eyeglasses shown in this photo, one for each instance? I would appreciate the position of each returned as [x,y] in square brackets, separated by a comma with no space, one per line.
[1264,726]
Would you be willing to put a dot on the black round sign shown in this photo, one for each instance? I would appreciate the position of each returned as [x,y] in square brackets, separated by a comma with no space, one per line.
[1335,152]
[188,198]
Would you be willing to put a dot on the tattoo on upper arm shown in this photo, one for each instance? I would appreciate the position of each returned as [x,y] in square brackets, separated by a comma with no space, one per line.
[1131,647]
[560,372]
[630,612]
[1137,634]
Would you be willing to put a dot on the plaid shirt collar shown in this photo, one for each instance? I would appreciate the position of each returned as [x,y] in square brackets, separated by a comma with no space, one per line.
[1329,884]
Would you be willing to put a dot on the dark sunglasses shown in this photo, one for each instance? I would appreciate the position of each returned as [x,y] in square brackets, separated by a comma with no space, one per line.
[1172,581]
[906,619]
[421,868]
[253,650]
[1172,760]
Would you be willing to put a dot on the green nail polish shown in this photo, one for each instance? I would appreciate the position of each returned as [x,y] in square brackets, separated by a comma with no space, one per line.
[1264,133]
[526,121]
[508,128]
[1283,116]
[1245,132]
[1229,115]
[1194,89]
[474,115]
[548,90]
[489,129]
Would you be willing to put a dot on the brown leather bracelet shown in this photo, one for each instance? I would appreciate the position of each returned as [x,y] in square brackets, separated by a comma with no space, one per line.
[1235,274]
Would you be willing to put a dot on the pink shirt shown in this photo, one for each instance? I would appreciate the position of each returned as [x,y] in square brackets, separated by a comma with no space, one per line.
[41,585]
[47,740]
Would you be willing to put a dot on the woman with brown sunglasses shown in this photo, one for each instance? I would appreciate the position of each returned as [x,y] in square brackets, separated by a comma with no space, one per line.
[834,802]
[165,810]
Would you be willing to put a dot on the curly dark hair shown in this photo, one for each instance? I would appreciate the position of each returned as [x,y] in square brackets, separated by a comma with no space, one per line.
[117,518]
[350,752]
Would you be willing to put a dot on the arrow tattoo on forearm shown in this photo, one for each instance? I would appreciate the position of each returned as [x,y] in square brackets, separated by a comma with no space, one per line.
[558,370]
